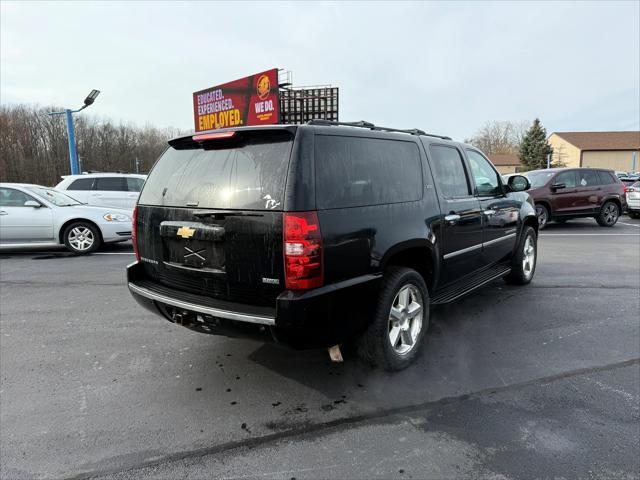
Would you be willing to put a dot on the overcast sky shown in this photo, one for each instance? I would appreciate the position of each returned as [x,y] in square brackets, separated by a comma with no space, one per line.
[444,67]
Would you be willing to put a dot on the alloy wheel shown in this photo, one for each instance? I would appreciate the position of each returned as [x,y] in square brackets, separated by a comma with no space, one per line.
[81,238]
[610,214]
[405,319]
[528,257]
[542,216]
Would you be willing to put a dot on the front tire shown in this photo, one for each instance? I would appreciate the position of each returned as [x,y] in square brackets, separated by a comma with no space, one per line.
[82,238]
[543,215]
[609,214]
[523,264]
[394,338]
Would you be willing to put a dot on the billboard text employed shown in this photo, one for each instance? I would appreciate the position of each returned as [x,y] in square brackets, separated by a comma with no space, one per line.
[248,101]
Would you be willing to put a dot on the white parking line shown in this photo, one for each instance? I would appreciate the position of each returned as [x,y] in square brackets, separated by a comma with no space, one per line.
[125,253]
[630,224]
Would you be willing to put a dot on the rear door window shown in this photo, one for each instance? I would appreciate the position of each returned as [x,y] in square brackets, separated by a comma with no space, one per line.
[81,184]
[245,173]
[449,171]
[360,171]
[587,178]
[111,184]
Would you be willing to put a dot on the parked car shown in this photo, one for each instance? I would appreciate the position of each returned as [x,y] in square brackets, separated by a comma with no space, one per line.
[633,200]
[120,190]
[32,215]
[628,181]
[561,194]
[325,233]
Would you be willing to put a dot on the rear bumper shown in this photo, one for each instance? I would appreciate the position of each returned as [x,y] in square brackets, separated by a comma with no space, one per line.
[321,317]
[633,204]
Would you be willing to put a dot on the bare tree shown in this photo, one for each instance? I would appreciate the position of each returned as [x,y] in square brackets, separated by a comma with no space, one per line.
[497,137]
[34,148]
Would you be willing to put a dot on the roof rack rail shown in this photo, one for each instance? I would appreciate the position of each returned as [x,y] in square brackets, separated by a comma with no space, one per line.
[371,126]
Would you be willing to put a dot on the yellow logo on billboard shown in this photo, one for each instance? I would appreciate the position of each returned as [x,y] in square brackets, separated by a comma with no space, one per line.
[185,232]
[264,86]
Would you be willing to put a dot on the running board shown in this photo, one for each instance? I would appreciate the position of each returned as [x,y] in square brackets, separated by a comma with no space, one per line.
[469,284]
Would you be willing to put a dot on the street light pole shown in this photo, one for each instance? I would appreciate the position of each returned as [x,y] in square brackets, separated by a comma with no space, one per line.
[71,136]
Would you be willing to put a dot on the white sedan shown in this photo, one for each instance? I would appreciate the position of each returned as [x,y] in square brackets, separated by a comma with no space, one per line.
[32,215]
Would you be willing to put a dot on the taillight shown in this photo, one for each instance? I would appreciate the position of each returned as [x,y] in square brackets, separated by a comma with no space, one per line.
[302,251]
[134,233]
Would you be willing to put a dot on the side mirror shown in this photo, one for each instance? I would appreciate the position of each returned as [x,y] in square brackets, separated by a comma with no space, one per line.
[558,186]
[32,203]
[518,183]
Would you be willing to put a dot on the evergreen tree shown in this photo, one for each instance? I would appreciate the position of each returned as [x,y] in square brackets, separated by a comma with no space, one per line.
[534,147]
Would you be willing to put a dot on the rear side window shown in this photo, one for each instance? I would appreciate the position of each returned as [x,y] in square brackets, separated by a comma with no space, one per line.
[449,171]
[587,178]
[248,173]
[606,178]
[134,184]
[112,184]
[358,171]
[81,184]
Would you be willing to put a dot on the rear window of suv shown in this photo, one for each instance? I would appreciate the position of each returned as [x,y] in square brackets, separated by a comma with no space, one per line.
[359,171]
[248,173]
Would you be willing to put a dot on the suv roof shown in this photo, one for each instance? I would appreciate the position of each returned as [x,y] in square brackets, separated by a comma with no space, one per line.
[324,126]
[104,174]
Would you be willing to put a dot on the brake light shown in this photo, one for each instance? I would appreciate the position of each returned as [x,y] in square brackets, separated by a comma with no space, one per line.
[134,234]
[212,136]
[302,251]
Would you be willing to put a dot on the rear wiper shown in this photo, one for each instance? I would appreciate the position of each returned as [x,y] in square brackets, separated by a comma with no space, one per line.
[228,213]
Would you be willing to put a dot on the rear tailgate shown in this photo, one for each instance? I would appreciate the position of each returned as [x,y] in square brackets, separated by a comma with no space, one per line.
[209,218]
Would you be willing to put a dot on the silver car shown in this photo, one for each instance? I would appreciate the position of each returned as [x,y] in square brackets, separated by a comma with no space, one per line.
[32,215]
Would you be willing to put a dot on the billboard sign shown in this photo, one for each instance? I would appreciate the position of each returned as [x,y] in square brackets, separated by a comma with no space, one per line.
[251,100]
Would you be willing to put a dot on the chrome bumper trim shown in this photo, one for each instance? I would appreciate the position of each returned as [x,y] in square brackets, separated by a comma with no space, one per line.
[214,312]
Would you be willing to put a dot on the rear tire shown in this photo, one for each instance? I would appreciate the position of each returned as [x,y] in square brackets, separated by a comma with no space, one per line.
[82,238]
[608,215]
[523,264]
[543,215]
[394,338]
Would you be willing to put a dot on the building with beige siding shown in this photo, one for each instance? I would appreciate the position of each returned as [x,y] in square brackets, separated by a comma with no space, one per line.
[506,162]
[612,150]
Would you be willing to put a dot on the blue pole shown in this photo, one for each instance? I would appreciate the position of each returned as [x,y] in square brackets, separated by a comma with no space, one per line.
[633,162]
[73,156]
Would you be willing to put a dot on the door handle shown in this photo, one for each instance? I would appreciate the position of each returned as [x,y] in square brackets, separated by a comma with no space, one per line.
[2,212]
[452,218]
[488,213]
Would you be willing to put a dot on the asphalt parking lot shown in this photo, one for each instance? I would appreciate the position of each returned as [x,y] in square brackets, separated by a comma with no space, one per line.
[514,382]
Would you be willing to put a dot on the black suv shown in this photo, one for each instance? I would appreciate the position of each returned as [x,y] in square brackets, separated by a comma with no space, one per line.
[315,235]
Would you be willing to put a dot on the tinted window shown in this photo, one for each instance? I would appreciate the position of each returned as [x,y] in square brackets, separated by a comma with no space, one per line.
[587,178]
[134,184]
[485,177]
[113,184]
[606,178]
[449,171]
[568,178]
[356,171]
[247,173]
[13,198]
[81,184]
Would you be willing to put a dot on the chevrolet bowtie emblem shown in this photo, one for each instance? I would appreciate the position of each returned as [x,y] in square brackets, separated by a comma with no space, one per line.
[185,232]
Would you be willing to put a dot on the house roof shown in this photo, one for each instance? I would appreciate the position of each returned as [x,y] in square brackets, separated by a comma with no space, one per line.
[505,159]
[602,140]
